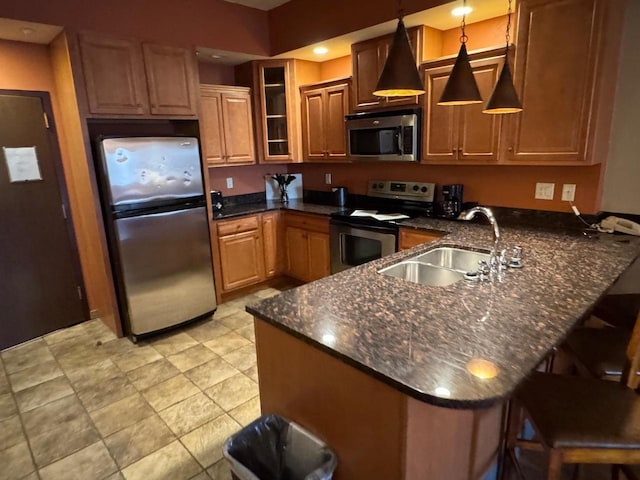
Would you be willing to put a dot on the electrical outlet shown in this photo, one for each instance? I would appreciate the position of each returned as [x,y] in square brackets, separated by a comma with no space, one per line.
[229,182]
[327,179]
[568,192]
[544,191]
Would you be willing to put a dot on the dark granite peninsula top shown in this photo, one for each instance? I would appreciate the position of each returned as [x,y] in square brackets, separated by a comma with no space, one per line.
[424,340]
[259,207]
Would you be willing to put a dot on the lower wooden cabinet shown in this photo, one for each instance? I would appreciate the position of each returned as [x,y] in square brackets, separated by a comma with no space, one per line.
[272,241]
[307,246]
[241,253]
[409,238]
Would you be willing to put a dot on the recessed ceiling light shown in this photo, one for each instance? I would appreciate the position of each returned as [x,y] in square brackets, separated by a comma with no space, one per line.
[459,11]
[320,50]
[216,56]
[28,31]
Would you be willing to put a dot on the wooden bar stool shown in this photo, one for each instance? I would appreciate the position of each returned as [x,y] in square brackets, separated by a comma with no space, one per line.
[582,420]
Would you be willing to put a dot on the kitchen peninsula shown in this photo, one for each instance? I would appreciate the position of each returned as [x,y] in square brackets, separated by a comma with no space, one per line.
[407,381]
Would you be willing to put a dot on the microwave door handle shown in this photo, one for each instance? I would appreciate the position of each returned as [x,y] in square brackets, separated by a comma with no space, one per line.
[401,141]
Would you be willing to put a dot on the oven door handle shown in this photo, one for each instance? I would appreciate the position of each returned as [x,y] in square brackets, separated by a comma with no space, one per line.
[391,229]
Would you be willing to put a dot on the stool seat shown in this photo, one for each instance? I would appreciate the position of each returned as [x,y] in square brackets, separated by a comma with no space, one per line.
[577,412]
[601,351]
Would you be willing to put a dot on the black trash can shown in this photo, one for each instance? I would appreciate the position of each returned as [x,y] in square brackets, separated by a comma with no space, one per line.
[273,448]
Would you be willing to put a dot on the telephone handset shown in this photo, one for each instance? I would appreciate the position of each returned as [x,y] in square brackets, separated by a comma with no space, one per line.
[622,225]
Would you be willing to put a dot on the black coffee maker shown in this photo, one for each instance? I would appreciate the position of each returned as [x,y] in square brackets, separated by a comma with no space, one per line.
[451,200]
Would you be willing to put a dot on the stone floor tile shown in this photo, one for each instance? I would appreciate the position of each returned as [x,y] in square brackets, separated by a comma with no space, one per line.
[139,440]
[15,462]
[88,376]
[118,346]
[136,358]
[252,373]
[169,392]
[26,355]
[226,309]
[243,358]
[192,357]
[210,373]
[4,383]
[220,470]
[233,392]
[34,397]
[57,443]
[237,320]
[115,476]
[52,415]
[201,476]
[11,432]
[64,334]
[80,355]
[152,373]
[121,414]
[106,393]
[248,332]
[267,293]
[227,343]
[247,412]
[172,462]
[8,407]
[205,443]
[35,375]
[98,331]
[190,413]
[206,331]
[173,342]
[90,463]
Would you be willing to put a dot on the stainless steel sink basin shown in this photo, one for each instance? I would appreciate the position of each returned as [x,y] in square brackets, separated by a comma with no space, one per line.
[453,258]
[438,267]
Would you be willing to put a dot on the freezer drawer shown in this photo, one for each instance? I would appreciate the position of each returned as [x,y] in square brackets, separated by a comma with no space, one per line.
[165,268]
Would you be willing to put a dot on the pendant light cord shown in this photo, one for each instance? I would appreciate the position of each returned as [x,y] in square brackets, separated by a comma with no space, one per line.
[463,36]
[507,35]
[400,10]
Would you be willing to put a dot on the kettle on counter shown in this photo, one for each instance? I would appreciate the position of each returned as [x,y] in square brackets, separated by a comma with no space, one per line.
[339,196]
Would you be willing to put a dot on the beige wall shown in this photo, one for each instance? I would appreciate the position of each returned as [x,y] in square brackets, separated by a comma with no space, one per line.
[621,191]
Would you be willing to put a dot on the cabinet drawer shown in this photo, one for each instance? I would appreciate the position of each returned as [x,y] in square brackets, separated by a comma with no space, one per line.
[410,238]
[244,224]
[315,223]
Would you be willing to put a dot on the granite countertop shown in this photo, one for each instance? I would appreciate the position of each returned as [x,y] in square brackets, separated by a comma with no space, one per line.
[259,207]
[420,339]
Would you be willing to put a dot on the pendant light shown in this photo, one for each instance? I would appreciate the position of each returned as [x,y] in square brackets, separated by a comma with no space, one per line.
[461,87]
[504,98]
[400,77]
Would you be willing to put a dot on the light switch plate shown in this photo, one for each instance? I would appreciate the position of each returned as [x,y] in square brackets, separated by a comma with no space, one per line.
[229,182]
[568,192]
[544,191]
[327,179]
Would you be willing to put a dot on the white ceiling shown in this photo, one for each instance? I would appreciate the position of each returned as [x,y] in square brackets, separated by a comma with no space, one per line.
[260,4]
[28,31]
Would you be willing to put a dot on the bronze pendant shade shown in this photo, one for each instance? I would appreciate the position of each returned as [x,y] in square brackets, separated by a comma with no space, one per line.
[461,87]
[400,77]
[504,98]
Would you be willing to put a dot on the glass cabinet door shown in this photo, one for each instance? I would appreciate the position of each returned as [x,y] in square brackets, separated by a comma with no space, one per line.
[275,103]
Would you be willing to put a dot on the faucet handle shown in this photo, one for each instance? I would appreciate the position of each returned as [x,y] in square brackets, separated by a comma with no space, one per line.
[502,260]
[484,269]
[516,258]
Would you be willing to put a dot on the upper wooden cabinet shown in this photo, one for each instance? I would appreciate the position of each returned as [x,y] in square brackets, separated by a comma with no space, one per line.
[323,129]
[461,134]
[368,59]
[126,77]
[565,73]
[226,125]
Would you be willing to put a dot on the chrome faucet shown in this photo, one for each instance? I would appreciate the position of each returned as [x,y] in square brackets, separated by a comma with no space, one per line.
[494,260]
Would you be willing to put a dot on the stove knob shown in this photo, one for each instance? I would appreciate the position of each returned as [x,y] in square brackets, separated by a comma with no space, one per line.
[415,188]
[381,185]
[374,185]
[424,189]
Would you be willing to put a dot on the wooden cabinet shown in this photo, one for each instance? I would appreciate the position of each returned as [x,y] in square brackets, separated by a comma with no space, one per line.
[324,135]
[409,238]
[564,72]
[241,253]
[127,77]
[368,59]
[226,125]
[272,241]
[461,134]
[307,246]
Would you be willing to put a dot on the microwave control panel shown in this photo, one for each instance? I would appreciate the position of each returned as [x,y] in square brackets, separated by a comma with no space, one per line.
[421,192]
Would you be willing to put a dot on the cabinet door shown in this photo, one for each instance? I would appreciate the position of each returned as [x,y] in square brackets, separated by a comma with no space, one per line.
[297,253]
[238,128]
[242,260]
[415,39]
[314,132]
[366,71]
[319,259]
[272,244]
[556,85]
[479,133]
[410,238]
[114,75]
[211,127]
[171,79]
[337,106]
[439,142]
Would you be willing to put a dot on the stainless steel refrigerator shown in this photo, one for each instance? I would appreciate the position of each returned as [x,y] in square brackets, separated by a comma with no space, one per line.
[158,230]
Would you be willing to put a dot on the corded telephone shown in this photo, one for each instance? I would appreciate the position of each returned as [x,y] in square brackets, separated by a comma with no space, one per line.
[622,225]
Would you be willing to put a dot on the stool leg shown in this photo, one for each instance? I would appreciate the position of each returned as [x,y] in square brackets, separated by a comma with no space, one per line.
[615,472]
[554,469]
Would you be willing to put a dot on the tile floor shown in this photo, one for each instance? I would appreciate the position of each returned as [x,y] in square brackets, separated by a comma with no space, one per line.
[81,404]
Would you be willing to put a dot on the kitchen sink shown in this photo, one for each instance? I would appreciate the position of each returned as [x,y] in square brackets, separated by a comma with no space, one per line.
[438,267]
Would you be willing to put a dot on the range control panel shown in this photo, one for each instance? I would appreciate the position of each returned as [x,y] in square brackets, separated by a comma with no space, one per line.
[420,192]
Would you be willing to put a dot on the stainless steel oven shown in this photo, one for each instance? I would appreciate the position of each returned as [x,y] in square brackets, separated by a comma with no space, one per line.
[353,245]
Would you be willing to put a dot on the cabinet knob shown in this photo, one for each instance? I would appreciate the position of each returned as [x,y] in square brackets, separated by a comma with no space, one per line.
[460,150]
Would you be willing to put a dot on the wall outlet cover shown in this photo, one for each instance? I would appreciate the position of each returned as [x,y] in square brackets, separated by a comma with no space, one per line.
[229,182]
[568,192]
[545,191]
[327,179]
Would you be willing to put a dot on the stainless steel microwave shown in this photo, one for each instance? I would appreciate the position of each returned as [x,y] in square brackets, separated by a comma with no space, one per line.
[386,136]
